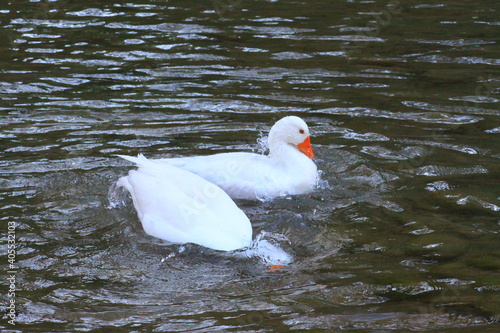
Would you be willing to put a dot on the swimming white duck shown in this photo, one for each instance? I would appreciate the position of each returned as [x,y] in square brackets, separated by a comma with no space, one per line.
[288,169]
[181,207]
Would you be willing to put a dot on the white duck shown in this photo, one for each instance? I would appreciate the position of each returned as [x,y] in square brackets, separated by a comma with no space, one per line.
[288,169]
[181,207]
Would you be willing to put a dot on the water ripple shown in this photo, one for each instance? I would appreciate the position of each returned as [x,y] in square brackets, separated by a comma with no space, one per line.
[401,233]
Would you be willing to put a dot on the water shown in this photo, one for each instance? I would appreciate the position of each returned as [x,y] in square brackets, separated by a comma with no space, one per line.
[401,98]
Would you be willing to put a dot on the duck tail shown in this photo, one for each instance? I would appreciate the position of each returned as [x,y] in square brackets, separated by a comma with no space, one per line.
[137,160]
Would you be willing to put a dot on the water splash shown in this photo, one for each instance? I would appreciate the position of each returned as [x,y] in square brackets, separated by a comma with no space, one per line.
[262,146]
[117,196]
[269,248]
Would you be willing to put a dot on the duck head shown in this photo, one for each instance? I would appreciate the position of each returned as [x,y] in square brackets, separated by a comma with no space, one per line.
[290,130]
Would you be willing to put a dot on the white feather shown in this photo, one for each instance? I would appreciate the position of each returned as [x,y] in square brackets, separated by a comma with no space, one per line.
[286,170]
[181,207]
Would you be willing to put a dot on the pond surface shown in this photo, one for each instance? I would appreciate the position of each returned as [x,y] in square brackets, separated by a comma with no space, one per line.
[402,99]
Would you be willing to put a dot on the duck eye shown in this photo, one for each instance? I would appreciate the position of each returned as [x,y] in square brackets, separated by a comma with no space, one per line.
[301,131]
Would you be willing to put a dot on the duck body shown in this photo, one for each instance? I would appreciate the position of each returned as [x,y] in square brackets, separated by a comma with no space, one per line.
[252,176]
[287,170]
[181,207]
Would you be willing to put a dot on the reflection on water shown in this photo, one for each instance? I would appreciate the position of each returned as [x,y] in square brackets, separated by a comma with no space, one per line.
[401,98]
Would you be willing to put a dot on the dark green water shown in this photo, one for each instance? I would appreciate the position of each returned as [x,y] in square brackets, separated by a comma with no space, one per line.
[402,99]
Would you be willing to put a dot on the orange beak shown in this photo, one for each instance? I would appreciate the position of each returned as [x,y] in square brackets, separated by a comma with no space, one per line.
[306,148]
